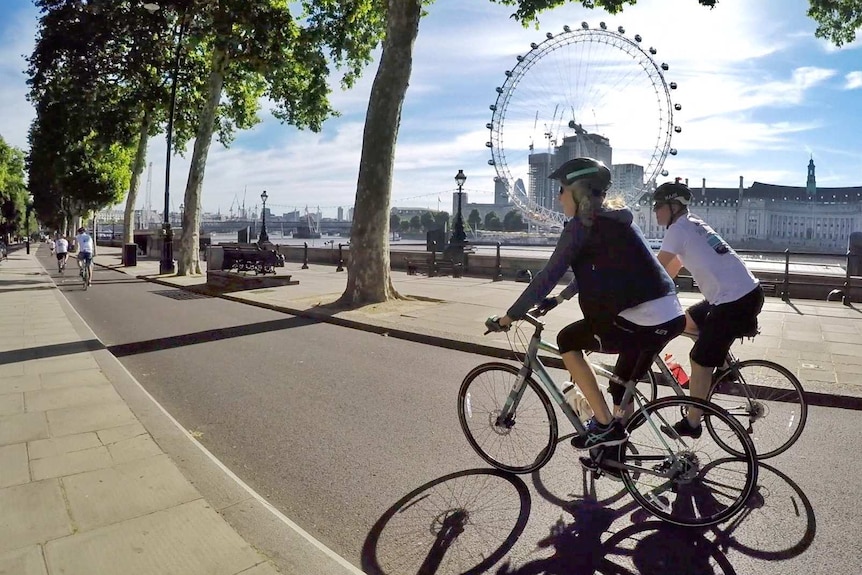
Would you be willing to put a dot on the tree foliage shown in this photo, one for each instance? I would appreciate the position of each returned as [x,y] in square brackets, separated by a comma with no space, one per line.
[13,190]
[837,20]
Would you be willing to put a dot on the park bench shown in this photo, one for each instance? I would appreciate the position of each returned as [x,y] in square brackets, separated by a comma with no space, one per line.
[432,266]
[251,258]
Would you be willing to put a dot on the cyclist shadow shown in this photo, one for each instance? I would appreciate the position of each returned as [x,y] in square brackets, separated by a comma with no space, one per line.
[464,522]
[649,548]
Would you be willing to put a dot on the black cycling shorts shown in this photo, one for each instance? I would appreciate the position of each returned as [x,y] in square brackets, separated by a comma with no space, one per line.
[719,325]
[636,345]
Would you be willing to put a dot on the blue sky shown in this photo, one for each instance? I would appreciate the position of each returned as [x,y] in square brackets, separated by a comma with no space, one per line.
[759,94]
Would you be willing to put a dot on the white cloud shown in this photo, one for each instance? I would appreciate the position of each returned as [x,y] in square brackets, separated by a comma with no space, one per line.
[854,80]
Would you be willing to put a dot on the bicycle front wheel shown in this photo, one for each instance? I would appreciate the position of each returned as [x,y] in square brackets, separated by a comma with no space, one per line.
[768,401]
[687,481]
[523,441]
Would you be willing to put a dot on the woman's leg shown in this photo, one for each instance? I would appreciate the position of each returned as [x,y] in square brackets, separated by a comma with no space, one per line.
[583,375]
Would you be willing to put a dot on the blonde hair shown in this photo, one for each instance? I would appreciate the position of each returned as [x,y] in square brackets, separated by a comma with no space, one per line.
[587,204]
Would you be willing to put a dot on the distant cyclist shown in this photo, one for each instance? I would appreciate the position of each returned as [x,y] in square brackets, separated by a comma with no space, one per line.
[733,296]
[61,249]
[86,251]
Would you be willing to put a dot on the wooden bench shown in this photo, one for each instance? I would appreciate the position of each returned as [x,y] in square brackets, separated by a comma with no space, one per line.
[432,266]
[251,258]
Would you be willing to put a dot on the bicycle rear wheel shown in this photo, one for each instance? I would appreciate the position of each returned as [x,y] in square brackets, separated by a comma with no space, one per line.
[526,439]
[768,401]
[682,480]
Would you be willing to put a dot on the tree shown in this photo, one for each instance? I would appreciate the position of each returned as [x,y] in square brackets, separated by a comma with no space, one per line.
[513,222]
[427,220]
[260,50]
[13,190]
[415,225]
[490,217]
[441,219]
[394,223]
[474,219]
[837,20]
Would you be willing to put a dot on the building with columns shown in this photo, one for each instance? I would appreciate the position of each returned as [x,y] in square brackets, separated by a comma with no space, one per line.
[772,217]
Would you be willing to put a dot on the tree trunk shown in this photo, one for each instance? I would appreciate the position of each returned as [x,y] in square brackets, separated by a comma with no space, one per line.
[368,277]
[188,259]
[135,183]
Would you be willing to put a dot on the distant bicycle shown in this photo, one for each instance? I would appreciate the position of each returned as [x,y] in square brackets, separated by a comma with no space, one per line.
[764,396]
[510,422]
[85,261]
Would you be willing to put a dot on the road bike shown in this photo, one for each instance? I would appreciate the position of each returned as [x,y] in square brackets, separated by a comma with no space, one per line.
[509,420]
[85,271]
[766,398]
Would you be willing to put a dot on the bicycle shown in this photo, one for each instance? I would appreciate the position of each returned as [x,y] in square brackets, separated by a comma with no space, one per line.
[763,395]
[85,270]
[501,405]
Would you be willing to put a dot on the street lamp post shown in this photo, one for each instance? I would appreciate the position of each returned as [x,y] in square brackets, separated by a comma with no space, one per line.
[263,237]
[27,221]
[459,238]
[166,264]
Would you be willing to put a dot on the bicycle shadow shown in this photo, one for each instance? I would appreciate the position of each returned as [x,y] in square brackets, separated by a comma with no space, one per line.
[461,523]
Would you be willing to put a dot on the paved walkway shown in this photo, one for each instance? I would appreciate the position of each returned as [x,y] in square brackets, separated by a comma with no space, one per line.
[85,488]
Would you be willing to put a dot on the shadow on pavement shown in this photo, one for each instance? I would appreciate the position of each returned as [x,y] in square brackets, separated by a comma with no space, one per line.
[150,345]
[43,287]
[47,351]
[464,522]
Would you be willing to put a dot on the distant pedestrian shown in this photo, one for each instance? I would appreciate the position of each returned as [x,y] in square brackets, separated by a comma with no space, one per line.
[51,245]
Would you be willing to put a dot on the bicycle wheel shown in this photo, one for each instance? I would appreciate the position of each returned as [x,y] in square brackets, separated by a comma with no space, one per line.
[522,443]
[85,275]
[682,480]
[768,401]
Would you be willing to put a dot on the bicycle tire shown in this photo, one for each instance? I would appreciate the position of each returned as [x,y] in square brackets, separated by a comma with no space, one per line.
[478,419]
[780,410]
[85,275]
[735,476]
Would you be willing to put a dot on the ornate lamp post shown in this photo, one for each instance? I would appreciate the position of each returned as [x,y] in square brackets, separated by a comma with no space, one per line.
[263,237]
[459,238]
[166,264]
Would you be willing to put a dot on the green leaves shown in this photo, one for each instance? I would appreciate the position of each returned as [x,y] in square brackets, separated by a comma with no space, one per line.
[837,20]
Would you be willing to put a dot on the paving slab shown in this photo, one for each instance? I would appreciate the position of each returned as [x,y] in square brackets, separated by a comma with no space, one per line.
[61,445]
[49,399]
[126,490]
[11,403]
[25,561]
[188,539]
[14,465]
[32,513]
[22,427]
[79,419]
[71,463]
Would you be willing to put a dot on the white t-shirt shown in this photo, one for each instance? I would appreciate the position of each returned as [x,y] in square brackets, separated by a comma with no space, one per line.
[718,271]
[84,242]
[62,246]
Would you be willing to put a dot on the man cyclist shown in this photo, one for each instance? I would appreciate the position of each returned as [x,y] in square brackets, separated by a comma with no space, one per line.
[733,297]
[85,253]
[61,249]
[628,300]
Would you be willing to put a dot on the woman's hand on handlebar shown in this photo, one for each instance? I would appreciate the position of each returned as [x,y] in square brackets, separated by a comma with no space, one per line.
[497,324]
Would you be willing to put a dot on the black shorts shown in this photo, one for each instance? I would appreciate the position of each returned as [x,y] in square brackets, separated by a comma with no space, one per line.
[636,345]
[719,325]
[60,256]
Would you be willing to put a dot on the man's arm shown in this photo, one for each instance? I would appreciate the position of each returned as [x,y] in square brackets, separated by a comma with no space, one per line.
[671,262]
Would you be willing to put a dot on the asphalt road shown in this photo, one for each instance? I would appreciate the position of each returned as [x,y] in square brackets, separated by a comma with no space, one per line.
[355,437]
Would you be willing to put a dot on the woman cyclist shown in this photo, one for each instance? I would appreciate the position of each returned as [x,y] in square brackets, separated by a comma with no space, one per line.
[628,300]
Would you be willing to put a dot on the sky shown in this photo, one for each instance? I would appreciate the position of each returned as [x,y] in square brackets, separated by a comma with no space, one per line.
[759,93]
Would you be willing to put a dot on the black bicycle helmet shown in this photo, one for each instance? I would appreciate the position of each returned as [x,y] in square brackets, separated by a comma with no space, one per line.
[672,192]
[590,169]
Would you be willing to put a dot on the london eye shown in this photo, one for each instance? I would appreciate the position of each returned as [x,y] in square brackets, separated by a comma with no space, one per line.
[582,92]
